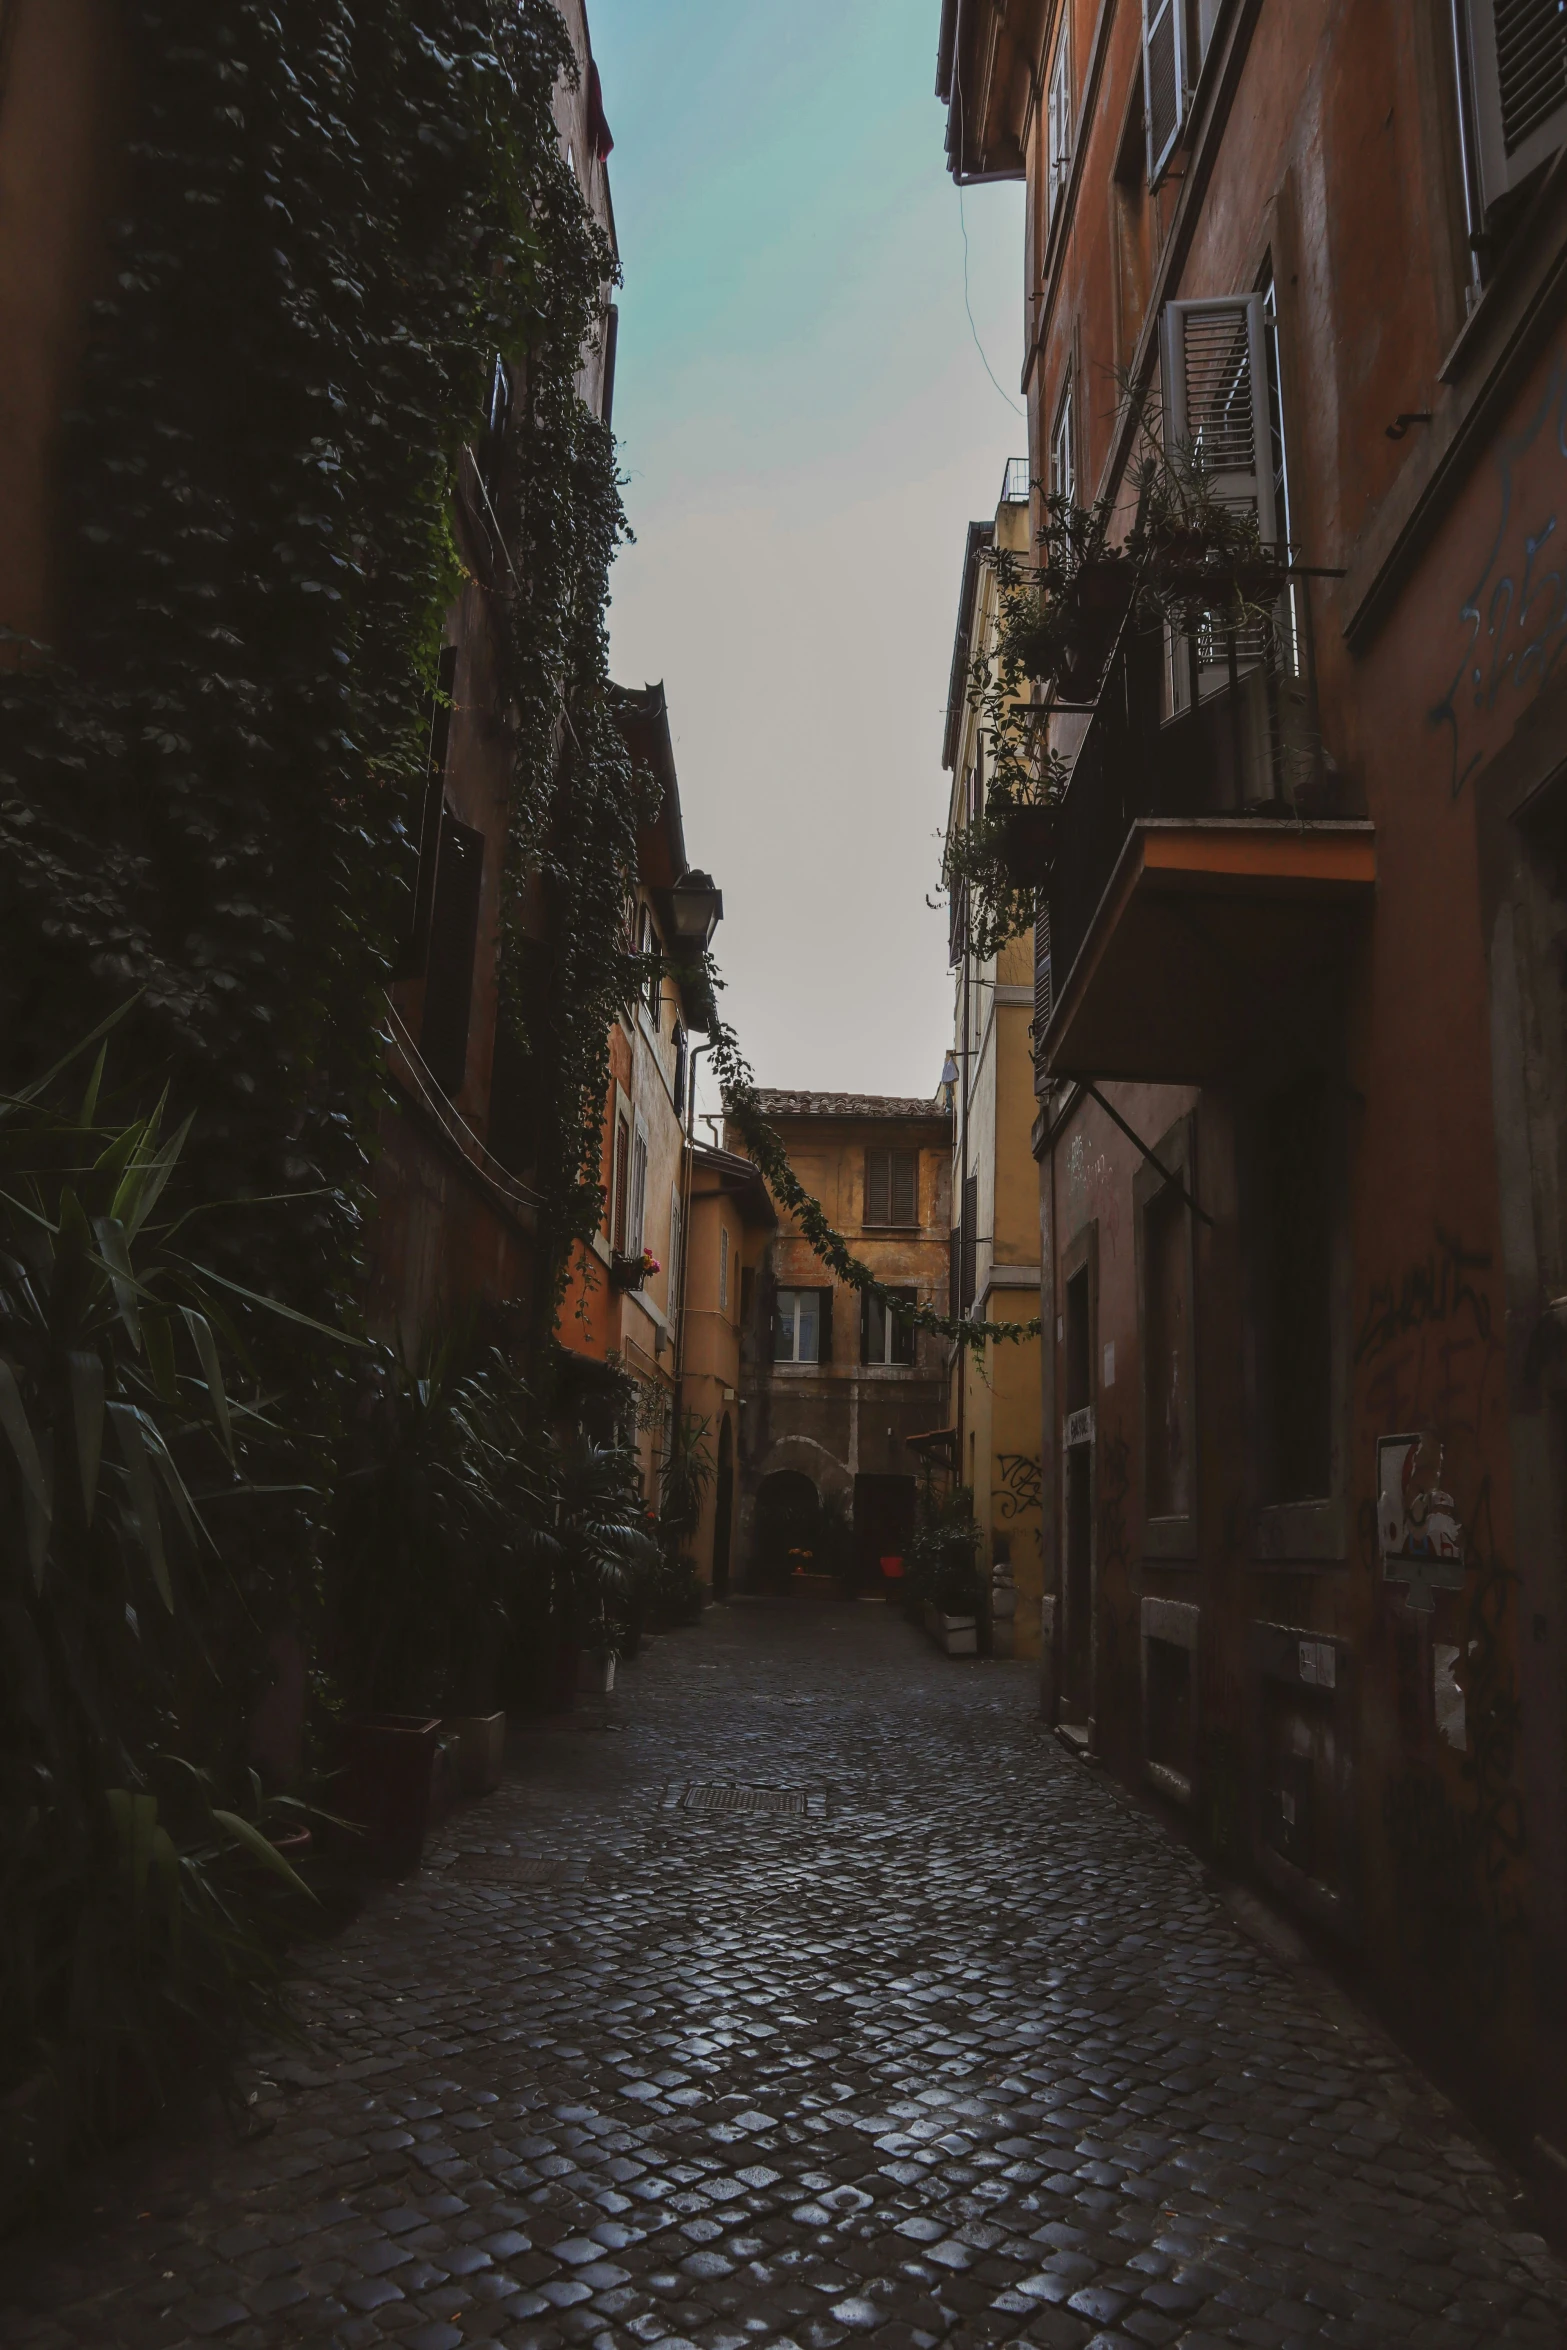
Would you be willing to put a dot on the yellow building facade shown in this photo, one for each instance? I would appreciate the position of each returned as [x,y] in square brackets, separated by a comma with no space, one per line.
[994,1398]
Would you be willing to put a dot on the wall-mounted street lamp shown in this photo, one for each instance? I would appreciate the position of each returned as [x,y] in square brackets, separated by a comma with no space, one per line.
[696,907]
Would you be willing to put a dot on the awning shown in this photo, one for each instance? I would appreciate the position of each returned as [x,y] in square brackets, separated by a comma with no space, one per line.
[1219,940]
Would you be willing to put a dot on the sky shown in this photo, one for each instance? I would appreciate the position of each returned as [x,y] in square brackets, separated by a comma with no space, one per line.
[807,428]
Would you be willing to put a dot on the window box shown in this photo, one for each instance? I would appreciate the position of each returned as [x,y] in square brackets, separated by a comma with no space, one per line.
[628,1272]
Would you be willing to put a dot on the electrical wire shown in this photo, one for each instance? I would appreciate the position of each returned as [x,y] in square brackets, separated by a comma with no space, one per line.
[973,329]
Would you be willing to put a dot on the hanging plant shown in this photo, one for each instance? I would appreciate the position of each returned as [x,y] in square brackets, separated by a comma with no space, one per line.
[743,1107]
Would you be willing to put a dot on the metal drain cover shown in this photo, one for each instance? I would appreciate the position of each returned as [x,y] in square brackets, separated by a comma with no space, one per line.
[729,1795]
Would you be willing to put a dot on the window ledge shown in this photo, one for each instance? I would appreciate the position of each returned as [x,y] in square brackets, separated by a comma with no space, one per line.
[1299,1533]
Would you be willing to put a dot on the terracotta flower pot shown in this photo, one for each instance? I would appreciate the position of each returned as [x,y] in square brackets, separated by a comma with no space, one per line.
[385,1786]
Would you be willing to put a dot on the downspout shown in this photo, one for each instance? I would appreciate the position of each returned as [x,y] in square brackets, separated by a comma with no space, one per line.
[688,1153]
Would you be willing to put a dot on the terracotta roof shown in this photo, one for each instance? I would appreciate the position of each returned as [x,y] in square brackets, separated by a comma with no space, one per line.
[779,1104]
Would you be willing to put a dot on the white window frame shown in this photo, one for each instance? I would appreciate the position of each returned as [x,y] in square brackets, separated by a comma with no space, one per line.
[792,1319]
[1164,20]
[1063,447]
[1501,171]
[1058,131]
[636,1217]
[1237,484]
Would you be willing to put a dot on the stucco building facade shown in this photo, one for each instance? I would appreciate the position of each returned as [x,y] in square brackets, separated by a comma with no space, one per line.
[1300,1092]
[833,1389]
[993,1406]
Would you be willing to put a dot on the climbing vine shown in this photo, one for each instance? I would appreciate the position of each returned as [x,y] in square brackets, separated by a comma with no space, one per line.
[333,217]
[742,1105]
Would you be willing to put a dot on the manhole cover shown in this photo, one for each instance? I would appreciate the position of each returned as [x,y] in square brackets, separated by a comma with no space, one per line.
[730,1795]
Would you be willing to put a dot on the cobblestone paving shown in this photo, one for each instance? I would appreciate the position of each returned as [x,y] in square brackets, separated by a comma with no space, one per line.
[956,2049]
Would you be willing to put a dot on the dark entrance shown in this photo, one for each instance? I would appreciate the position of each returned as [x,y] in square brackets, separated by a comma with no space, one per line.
[724,1509]
[1078,1646]
[883,1523]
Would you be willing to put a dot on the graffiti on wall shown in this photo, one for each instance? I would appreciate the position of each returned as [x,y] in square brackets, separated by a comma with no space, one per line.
[1022,1484]
[1515,615]
[1426,1344]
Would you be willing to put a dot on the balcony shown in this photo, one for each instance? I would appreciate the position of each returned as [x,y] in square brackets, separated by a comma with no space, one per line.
[1208,875]
[1015,482]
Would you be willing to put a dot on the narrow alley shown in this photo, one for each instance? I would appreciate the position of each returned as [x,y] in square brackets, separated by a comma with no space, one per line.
[920,2032]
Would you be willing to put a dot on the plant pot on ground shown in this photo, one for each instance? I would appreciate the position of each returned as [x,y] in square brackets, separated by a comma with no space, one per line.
[384,1787]
[479,1741]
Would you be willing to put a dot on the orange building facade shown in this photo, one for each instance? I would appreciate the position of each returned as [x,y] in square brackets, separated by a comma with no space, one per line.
[1299,992]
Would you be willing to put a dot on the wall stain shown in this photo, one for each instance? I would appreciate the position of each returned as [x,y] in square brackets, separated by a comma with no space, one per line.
[1516,612]
[1437,1289]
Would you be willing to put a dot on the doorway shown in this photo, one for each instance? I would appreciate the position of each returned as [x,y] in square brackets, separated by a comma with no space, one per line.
[1077,1659]
[883,1525]
[724,1509]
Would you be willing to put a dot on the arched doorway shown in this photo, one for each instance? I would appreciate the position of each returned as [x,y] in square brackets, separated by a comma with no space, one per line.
[724,1509]
[787,1510]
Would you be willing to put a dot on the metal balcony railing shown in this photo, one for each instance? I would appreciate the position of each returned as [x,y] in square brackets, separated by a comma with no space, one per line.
[1015,482]
[1249,748]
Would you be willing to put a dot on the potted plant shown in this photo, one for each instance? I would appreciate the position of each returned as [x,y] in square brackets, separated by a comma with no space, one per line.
[942,1571]
[592,1553]
[632,1272]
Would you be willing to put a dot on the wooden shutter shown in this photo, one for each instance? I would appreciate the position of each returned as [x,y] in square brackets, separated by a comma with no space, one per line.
[1164,79]
[1059,131]
[824,1326]
[454,936]
[636,1224]
[622,1187]
[1214,374]
[970,1239]
[1519,54]
[957,925]
[1042,977]
[903,1204]
[878,1187]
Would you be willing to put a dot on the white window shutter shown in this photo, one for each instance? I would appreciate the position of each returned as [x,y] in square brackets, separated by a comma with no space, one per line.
[1164,79]
[1518,50]
[1214,370]
[1059,127]
[1214,366]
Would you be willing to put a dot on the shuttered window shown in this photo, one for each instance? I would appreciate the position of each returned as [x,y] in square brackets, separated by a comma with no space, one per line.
[1518,50]
[1042,977]
[886,1337]
[454,935]
[1164,79]
[892,1187]
[1214,372]
[970,1253]
[620,1188]
[1063,450]
[1058,132]
[635,1220]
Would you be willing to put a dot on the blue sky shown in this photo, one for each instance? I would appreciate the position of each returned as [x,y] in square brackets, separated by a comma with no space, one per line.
[807,428]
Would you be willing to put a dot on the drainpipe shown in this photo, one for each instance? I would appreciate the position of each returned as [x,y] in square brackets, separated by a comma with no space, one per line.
[685,1218]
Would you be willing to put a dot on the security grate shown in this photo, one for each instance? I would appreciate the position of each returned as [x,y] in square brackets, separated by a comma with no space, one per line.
[728,1795]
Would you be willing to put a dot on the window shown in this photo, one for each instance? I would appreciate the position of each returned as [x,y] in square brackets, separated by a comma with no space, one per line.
[620,1188]
[968,1246]
[1177,35]
[1215,378]
[1042,977]
[723,1268]
[1164,79]
[1517,72]
[892,1187]
[454,936]
[648,949]
[802,1330]
[1063,451]
[1058,132]
[638,1201]
[1289,646]
[886,1337]
[679,1086]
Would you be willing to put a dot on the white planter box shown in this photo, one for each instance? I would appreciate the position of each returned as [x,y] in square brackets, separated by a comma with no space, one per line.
[596,1672]
[958,1635]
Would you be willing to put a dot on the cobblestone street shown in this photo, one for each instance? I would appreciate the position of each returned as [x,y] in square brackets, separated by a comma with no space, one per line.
[957,2047]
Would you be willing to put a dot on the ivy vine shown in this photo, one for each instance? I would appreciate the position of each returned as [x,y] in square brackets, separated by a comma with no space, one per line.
[334,215]
[743,1107]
